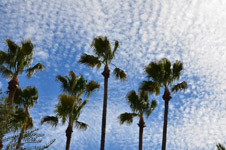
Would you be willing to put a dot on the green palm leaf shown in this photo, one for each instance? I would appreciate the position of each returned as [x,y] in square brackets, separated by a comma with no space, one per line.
[27,47]
[177,69]
[90,61]
[150,86]
[80,125]
[52,120]
[37,67]
[6,73]
[3,56]
[101,47]
[119,74]
[91,87]
[127,118]
[153,106]
[179,87]
[13,47]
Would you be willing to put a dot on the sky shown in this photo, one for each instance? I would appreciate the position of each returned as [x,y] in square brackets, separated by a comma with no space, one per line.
[192,31]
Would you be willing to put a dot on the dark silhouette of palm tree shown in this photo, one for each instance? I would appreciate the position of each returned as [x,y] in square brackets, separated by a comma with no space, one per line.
[16,61]
[140,106]
[103,55]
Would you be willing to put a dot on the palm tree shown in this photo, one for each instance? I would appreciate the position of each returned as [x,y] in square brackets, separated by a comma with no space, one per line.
[26,99]
[69,106]
[162,74]
[16,61]
[68,110]
[103,55]
[140,106]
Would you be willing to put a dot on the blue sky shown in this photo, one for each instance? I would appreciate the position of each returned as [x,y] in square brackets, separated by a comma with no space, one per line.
[192,31]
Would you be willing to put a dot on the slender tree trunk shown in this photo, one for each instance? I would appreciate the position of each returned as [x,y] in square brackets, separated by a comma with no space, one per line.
[106,74]
[20,137]
[141,125]
[166,97]
[12,87]
[1,143]
[68,135]
[23,129]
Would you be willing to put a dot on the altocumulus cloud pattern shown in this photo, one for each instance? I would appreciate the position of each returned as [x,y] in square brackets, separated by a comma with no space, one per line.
[192,31]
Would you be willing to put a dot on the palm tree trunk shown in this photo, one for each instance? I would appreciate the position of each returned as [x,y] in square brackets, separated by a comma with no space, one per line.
[141,125]
[1,143]
[166,97]
[106,74]
[12,87]
[68,135]
[20,137]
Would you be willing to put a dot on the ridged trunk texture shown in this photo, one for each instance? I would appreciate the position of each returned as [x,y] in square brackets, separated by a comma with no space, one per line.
[68,135]
[166,97]
[106,74]
[141,125]
[12,87]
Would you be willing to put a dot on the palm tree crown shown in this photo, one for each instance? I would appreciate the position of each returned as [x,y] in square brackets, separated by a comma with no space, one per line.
[103,55]
[140,106]
[16,61]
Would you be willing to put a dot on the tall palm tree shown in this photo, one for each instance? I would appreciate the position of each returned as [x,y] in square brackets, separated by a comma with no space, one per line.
[70,106]
[161,74]
[26,99]
[140,106]
[68,110]
[103,55]
[16,61]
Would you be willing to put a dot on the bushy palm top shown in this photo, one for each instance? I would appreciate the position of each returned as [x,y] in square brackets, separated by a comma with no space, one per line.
[103,55]
[140,106]
[18,59]
[163,74]
[77,85]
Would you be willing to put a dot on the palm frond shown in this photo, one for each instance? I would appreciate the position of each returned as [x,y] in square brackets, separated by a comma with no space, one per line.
[177,69]
[52,120]
[115,47]
[101,46]
[132,99]
[3,56]
[167,69]
[80,125]
[13,47]
[220,147]
[6,73]
[64,82]
[37,67]
[119,74]
[26,97]
[91,87]
[27,47]
[155,71]
[78,110]
[179,87]
[153,106]
[150,86]
[90,61]
[127,118]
